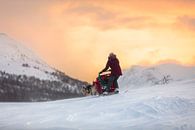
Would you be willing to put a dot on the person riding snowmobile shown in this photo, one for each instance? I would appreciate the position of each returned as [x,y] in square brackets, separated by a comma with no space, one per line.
[116,72]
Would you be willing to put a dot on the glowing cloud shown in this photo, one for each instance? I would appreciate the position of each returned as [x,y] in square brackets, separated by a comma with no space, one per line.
[76,36]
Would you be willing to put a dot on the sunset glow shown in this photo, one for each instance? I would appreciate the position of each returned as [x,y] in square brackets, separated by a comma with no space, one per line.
[76,36]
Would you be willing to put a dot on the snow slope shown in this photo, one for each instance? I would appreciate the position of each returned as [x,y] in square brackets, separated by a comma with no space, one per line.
[162,107]
[19,60]
[25,77]
[140,76]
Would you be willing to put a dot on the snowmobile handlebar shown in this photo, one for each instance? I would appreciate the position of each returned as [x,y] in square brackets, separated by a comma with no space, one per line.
[105,72]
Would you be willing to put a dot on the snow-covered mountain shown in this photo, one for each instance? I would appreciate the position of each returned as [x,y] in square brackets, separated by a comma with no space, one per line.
[25,77]
[19,60]
[139,76]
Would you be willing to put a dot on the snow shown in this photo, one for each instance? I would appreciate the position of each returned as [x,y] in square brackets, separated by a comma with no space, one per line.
[145,101]
[161,107]
[141,76]
[14,56]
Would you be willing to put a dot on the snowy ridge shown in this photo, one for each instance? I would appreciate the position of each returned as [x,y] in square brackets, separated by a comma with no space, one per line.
[17,59]
[139,76]
[25,77]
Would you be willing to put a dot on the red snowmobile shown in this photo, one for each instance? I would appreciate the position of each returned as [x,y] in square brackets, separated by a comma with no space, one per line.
[99,85]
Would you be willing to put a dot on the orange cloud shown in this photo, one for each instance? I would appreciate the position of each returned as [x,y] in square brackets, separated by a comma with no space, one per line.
[186,22]
[76,36]
[132,14]
[99,16]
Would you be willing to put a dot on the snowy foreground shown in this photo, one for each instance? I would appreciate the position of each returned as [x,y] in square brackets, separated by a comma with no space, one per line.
[163,107]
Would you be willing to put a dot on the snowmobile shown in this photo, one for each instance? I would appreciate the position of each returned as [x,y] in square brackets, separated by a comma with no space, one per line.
[99,85]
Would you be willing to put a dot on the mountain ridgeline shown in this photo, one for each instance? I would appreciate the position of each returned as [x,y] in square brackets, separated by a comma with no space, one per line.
[25,77]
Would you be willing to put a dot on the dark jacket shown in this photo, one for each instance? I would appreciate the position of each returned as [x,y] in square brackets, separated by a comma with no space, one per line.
[113,63]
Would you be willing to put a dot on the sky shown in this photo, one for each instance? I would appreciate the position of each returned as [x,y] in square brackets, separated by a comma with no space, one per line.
[76,36]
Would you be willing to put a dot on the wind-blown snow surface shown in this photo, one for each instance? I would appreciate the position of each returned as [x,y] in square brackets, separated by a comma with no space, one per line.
[161,107]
